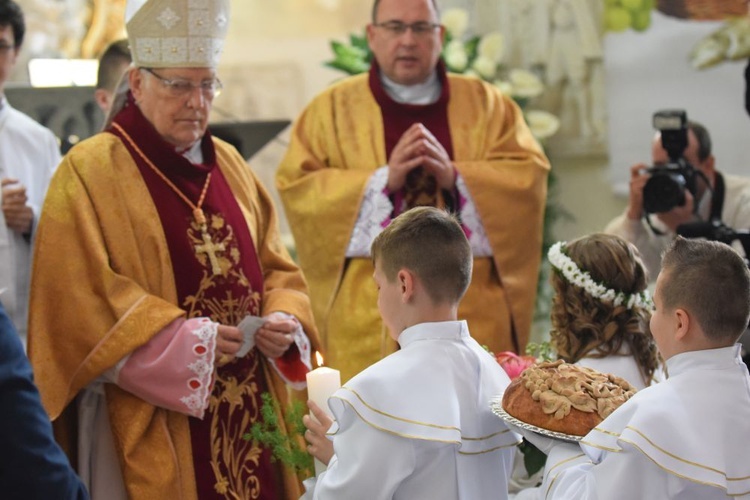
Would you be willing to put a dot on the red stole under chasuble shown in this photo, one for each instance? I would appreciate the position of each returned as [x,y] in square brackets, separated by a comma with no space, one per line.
[421,188]
[226,466]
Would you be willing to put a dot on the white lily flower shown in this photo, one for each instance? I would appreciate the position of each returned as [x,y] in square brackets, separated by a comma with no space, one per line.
[455,21]
[455,55]
[486,67]
[492,46]
[542,124]
[525,83]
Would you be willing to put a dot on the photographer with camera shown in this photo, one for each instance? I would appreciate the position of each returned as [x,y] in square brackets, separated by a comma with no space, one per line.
[683,188]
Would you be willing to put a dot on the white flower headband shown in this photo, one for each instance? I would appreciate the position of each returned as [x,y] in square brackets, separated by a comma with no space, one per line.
[582,279]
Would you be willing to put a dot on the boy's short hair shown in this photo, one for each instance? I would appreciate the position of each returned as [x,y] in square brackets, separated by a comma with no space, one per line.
[12,15]
[112,59]
[430,243]
[712,282]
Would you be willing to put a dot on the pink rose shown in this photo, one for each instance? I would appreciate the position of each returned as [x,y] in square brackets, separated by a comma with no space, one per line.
[513,364]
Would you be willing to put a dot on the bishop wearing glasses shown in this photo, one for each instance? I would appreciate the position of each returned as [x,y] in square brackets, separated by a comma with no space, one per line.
[406,134]
[155,242]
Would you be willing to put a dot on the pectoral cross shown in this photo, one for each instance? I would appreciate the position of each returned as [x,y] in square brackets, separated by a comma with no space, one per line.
[210,248]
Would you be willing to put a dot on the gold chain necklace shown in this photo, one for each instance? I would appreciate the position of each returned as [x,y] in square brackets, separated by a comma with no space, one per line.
[208,247]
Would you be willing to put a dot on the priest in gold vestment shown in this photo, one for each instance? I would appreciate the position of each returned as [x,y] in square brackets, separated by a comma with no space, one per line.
[155,242]
[407,134]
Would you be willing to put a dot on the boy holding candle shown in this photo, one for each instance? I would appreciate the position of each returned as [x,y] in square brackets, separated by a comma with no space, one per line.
[417,424]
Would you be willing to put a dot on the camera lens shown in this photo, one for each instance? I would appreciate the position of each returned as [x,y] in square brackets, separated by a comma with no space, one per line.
[663,191]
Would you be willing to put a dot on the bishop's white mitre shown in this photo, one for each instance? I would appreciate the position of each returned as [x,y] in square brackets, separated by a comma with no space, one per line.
[176,33]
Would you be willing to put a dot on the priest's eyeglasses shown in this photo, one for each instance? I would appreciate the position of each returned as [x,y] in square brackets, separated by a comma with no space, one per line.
[397,28]
[180,87]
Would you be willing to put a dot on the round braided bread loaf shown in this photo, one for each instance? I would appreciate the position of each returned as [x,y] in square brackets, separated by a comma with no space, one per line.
[566,398]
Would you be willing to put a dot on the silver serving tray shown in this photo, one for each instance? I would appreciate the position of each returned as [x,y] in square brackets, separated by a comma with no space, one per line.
[497,408]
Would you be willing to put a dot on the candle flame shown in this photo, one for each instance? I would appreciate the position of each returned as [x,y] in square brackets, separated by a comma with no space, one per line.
[319,358]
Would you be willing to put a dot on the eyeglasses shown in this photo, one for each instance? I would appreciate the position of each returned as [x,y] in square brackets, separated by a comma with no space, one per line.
[397,28]
[180,87]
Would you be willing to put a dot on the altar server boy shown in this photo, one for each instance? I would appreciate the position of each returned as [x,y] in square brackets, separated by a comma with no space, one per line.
[687,437]
[418,424]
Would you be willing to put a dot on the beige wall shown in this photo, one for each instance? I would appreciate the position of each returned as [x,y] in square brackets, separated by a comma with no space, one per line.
[584,190]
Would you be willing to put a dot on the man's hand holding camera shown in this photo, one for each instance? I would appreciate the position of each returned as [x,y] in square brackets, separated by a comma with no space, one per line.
[417,147]
[638,179]
[680,214]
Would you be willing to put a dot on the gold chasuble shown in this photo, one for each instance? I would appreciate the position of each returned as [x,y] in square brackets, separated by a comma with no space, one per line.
[336,145]
[120,254]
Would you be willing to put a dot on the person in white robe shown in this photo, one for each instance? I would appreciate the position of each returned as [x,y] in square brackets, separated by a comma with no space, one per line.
[601,308]
[418,423]
[600,319]
[684,438]
[29,153]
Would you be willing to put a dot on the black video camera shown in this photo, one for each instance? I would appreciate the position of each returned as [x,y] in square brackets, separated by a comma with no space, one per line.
[666,187]
[716,231]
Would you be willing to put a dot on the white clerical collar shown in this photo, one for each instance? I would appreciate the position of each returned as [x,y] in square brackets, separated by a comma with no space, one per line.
[427,92]
[708,358]
[194,153]
[438,330]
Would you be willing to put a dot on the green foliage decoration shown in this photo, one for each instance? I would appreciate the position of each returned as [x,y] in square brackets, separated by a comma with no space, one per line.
[285,447]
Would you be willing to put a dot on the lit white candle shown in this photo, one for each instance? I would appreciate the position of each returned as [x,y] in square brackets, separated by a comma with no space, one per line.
[322,382]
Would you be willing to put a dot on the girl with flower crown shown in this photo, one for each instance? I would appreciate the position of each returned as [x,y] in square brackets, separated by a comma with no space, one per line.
[601,309]
[600,319]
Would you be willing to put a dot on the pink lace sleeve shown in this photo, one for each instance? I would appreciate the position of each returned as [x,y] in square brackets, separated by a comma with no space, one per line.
[175,369]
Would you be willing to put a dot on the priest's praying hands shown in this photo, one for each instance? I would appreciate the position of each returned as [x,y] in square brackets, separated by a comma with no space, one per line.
[418,147]
[320,446]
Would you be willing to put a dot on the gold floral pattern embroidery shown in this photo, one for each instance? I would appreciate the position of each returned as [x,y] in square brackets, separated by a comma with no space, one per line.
[234,461]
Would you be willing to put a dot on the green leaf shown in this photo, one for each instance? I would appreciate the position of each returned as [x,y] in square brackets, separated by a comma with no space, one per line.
[360,42]
[542,351]
[533,458]
[339,49]
[521,101]
[347,51]
[284,447]
[471,48]
[348,66]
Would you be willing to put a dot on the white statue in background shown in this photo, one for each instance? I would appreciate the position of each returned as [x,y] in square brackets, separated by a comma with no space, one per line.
[567,44]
